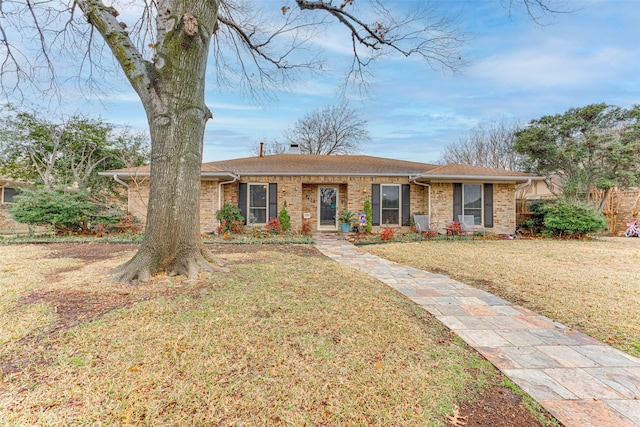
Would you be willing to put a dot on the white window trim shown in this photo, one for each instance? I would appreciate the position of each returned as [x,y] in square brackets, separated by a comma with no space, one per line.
[399,223]
[481,200]
[266,186]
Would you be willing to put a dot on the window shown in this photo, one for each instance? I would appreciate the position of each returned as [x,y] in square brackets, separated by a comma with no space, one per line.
[390,204]
[472,201]
[7,194]
[257,204]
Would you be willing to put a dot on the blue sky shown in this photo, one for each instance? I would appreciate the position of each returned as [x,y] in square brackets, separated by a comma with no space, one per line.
[517,70]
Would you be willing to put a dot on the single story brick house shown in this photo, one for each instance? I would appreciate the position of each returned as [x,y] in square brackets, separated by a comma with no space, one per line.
[316,188]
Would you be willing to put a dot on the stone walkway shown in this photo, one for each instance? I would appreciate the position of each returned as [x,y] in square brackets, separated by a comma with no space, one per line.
[580,380]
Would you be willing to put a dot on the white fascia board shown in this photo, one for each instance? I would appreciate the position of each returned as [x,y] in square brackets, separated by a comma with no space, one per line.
[124,175]
[203,175]
[483,178]
[209,176]
[322,174]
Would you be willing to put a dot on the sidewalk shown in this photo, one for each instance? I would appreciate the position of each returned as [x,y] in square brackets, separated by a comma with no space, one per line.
[578,379]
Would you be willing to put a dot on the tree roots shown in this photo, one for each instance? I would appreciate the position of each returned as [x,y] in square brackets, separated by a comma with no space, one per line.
[143,266]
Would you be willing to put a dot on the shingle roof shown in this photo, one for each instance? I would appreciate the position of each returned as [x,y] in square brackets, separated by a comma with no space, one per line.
[354,165]
[303,164]
[458,169]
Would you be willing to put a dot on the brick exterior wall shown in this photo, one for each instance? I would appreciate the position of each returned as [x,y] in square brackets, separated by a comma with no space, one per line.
[138,196]
[504,206]
[301,194]
[504,209]
[441,204]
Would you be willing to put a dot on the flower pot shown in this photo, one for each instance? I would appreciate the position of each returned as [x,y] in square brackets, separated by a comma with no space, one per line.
[345,227]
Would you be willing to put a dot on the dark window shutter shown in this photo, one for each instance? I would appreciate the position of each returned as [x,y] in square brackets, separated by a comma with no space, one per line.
[488,205]
[406,204]
[273,201]
[375,204]
[242,200]
[457,201]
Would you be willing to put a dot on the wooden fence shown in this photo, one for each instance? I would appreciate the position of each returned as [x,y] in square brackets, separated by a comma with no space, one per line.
[621,206]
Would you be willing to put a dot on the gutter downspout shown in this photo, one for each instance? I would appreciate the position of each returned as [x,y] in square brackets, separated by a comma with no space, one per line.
[523,185]
[424,185]
[235,178]
[119,181]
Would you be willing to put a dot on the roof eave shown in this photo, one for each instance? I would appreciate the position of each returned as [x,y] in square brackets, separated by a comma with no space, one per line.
[324,174]
[124,174]
[483,178]
[211,176]
[207,176]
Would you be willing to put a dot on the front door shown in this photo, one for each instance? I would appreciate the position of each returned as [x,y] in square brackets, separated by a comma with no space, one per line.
[328,207]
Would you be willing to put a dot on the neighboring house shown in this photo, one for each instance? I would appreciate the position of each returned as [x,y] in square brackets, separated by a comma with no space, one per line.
[316,188]
[7,192]
[541,189]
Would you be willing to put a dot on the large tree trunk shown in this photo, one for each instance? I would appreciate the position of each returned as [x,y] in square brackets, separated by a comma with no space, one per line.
[173,98]
[172,240]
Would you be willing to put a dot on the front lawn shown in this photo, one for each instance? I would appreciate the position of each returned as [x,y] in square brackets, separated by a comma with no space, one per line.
[289,337]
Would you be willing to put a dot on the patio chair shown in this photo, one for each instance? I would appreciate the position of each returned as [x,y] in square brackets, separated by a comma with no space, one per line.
[468,226]
[424,225]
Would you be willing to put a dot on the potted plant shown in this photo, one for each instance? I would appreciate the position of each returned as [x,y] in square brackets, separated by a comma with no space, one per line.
[346,218]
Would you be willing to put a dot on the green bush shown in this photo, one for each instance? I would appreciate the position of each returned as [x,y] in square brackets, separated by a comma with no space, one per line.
[230,213]
[570,219]
[66,211]
[230,219]
[285,219]
[368,211]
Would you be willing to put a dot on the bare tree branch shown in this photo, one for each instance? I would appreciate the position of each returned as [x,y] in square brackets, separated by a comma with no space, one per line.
[418,32]
[538,9]
[103,19]
[335,129]
[491,147]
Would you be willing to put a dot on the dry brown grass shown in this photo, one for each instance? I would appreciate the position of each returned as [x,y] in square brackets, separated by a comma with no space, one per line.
[284,339]
[592,286]
[23,269]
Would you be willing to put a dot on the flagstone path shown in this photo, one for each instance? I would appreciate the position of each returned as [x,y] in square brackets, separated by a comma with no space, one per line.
[581,381]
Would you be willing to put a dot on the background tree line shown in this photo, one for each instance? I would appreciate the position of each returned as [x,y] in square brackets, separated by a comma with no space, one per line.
[58,161]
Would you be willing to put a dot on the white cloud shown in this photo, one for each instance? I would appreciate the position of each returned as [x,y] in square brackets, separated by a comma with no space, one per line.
[550,65]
